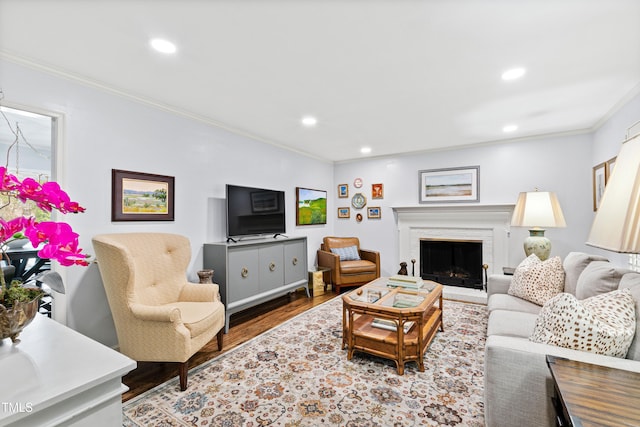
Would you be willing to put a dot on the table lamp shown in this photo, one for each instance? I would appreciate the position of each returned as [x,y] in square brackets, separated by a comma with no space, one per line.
[537,209]
[616,226]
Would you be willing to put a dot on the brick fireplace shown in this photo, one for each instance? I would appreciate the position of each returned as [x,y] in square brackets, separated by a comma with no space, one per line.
[486,225]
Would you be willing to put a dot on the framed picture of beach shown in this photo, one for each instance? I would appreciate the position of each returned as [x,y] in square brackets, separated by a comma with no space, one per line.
[311,206]
[374,212]
[449,185]
[344,212]
[343,191]
[138,196]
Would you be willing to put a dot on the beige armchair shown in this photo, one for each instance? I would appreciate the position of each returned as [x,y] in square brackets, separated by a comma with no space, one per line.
[357,266]
[158,315]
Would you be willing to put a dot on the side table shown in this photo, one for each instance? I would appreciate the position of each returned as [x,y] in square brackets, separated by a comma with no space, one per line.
[317,279]
[594,395]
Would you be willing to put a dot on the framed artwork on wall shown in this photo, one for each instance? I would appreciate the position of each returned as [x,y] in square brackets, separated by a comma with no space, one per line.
[344,212]
[374,212]
[343,191]
[138,196]
[449,185]
[377,191]
[599,182]
[311,206]
[610,165]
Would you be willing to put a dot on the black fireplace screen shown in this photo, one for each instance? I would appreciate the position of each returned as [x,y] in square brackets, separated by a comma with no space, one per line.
[457,263]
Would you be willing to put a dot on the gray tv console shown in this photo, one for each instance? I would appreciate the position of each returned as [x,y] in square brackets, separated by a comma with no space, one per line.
[254,271]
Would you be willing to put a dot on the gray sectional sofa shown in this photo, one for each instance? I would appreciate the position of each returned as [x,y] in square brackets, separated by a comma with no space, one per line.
[518,385]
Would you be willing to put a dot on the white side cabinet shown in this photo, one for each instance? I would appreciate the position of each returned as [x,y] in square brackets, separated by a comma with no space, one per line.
[56,376]
[252,272]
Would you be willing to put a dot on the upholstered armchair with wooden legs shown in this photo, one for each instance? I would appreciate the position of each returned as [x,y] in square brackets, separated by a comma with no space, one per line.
[350,265]
[158,315]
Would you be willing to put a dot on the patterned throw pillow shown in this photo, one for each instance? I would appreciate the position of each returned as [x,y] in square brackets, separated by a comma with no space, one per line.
[350,253]
[603,324]
[537,281]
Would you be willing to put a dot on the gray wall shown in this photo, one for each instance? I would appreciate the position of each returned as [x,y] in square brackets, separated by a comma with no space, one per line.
[104,131]
[560,164]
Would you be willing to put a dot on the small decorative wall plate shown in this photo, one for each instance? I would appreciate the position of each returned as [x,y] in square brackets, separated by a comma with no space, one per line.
[358,201]
[359,217]
[357,182]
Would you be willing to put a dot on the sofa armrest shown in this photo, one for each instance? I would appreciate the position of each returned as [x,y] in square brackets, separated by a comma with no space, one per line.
[498,284]
[200,292]
[518,384]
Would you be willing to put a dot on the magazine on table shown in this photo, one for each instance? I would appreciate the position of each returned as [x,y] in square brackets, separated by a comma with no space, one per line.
[390,325]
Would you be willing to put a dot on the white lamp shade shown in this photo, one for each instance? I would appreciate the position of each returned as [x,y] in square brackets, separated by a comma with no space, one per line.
[616,226]
[538,209]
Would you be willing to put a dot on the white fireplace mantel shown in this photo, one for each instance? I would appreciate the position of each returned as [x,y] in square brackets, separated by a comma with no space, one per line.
[487,223]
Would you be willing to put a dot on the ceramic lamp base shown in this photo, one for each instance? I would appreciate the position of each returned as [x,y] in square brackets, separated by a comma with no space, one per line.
[537,244]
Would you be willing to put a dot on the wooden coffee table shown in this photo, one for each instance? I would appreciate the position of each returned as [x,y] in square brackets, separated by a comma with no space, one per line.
[369,309]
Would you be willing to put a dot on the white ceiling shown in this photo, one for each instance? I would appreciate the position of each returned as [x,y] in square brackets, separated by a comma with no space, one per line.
[398,76]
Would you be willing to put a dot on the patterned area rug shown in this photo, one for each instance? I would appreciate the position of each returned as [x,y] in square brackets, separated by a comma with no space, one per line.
[298,375]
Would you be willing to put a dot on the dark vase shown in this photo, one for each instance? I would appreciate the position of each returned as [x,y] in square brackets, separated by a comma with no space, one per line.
[205,276]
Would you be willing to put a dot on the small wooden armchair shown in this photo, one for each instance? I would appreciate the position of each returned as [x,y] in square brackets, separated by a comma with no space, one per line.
[350,265]
[158,315]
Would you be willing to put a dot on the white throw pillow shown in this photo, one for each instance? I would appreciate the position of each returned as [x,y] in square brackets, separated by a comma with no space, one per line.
[603,324]
[537,281]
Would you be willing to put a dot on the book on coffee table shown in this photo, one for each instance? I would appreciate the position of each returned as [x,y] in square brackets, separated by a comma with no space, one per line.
[409,282]
[390,325]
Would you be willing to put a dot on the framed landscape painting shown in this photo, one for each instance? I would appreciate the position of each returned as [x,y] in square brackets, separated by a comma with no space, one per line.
[344,212]
[450,185]
[311,206]
[137,196]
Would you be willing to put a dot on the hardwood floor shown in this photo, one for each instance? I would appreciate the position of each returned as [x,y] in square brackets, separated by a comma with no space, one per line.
[243,326]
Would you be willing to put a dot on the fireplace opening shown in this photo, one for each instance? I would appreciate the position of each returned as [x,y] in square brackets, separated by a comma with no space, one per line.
[452,262]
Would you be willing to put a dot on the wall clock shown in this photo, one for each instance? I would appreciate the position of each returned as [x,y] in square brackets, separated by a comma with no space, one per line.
[357,182]
[358,201]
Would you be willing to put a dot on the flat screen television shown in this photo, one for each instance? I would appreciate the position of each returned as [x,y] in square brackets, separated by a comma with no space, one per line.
[254,211]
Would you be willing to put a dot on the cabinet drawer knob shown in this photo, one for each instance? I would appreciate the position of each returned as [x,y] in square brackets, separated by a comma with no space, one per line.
[272,266]
[244,272]
[295,261]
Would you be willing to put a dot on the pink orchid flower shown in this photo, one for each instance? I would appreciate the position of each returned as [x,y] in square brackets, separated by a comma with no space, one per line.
[60,241]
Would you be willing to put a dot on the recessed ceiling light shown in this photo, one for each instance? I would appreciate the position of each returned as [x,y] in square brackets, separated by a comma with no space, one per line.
[510,128]
[309,121]
[365,150]
[514,73]
[163,46]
